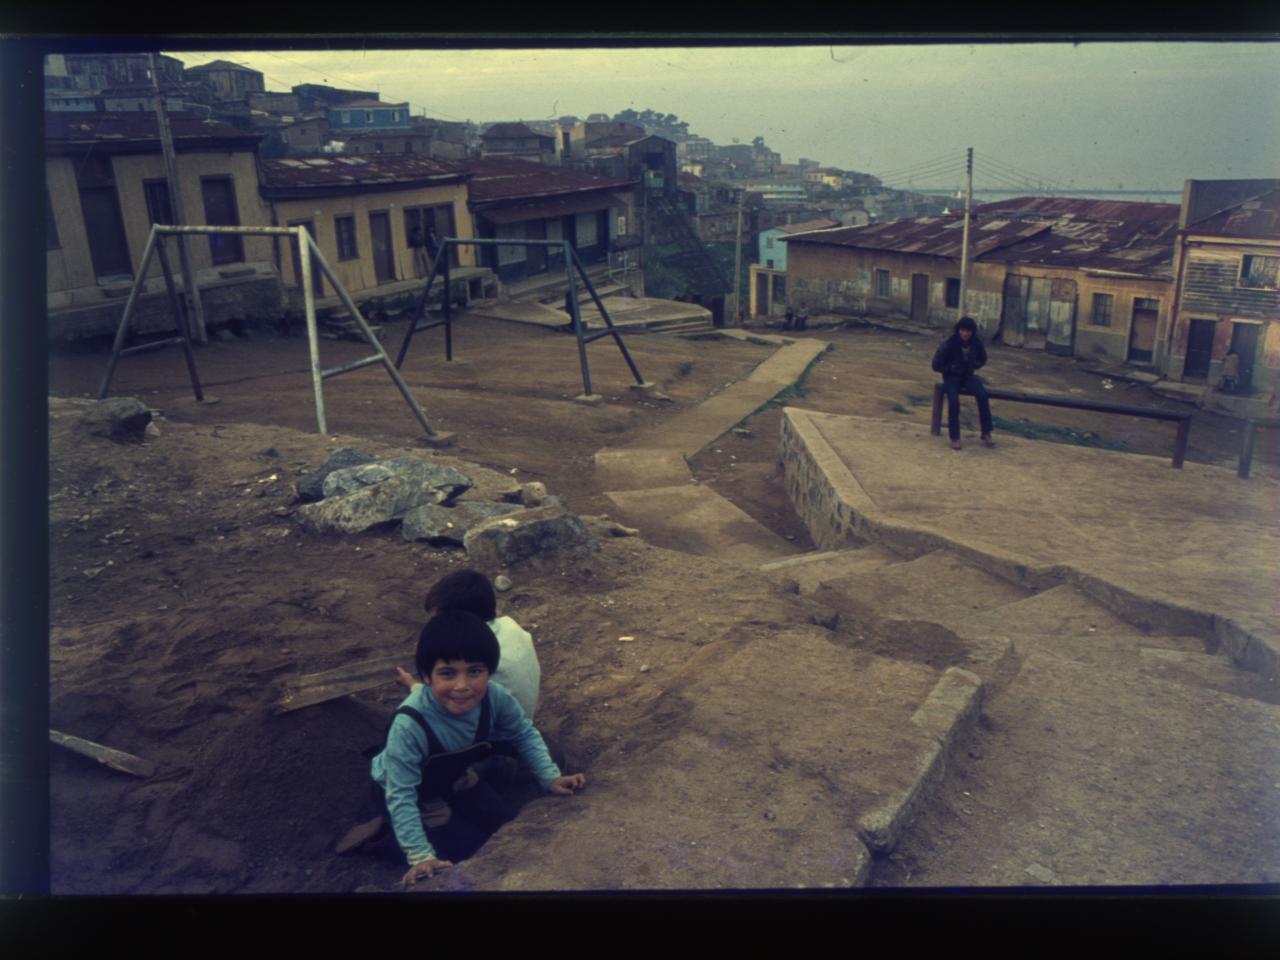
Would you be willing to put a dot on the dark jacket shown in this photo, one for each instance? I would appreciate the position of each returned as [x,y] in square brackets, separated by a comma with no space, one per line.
[949,359]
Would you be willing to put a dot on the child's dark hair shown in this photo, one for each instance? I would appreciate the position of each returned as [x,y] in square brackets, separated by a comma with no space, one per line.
[467,590]
[455,635]
[966,323]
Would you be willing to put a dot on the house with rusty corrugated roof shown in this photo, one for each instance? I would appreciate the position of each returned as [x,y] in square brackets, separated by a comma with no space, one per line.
[1227,296]
[106,185]
[523,200]
[1070,276]
[373,217]
[768,275]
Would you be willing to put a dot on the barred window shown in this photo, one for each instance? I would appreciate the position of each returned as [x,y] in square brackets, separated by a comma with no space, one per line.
[345,227]
[953,292]
[1101,310]
[882,283]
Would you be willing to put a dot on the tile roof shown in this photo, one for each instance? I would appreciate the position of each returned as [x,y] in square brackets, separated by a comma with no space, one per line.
[496,179]
[303,173]
[1258,219]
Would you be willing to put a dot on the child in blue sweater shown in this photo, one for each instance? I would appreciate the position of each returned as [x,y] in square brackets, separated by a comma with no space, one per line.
[440,730]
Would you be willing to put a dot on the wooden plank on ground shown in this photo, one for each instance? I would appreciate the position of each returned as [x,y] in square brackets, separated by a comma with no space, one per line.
[312,688]
[115,759]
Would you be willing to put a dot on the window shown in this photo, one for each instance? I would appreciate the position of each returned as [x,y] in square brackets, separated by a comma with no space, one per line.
[408,146]
[882,283]
[345,228]
[1101,310]
[220,211]
[50,225]
[377,148]
[953,291]
[1260,272]
[768,242]
[368,116]
[157,197]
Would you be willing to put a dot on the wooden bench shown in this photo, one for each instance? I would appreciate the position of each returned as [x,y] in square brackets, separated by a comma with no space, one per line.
[1072,403]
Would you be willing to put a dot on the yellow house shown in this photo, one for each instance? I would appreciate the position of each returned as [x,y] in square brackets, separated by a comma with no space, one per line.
[374,218]
[106,186]
[1082,277]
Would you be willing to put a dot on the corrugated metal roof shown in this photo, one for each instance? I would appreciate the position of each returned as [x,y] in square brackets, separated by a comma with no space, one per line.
[932,236]
[1258,219]
[1051,231]
[495,179]
[349,171]
[1057,208]
[551,207]
[134,126]
[820,224]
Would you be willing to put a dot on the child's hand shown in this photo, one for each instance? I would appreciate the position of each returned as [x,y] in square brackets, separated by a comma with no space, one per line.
[404,678]
[427,868]
[567,786]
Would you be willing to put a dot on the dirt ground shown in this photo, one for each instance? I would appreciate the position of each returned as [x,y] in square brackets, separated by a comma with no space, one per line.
[183,596]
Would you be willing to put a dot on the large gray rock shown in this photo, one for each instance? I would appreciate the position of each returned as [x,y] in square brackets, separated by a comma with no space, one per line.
[122,419]
[545,537]
[370,507]
[311,485]
[444,482]
[446,526]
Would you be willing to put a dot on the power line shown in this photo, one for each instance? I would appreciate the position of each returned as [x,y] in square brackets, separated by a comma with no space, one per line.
[898,172]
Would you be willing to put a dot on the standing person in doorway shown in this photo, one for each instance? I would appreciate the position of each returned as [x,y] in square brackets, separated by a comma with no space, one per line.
[802,318]
[957,359]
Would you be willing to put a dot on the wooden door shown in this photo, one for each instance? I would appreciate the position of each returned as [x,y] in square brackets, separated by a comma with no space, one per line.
[317,279]
[384,264]
[1244,344]
[536,257]
[919,297]
[1199,349]
[1013,317]
[105,227]
[1142,331]
[762,295]
[1061,335]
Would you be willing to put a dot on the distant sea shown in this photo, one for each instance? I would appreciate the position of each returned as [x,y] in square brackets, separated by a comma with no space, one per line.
[1136,196]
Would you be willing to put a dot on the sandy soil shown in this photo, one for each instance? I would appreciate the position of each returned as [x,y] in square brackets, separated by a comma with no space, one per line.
[183,596]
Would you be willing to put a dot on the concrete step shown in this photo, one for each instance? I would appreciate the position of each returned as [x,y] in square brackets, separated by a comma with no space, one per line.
[810,569]
[938,587]
[1079,776]
[853,747]
[693,518]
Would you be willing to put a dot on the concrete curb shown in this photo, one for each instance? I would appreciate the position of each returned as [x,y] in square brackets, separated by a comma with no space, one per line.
[836,508]
[948,714]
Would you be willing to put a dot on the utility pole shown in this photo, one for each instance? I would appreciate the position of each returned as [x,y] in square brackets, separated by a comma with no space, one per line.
[964,252]
[195,309]
[737,263]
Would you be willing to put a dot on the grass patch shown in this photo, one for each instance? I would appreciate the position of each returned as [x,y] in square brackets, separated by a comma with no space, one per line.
[920,401]
[796,391]
[899,408]
[1042,431]
[685,368]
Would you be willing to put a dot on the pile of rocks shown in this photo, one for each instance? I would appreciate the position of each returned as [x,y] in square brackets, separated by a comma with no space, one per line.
[352,492]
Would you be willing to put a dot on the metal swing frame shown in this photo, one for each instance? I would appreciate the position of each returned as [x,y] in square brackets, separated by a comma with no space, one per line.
[306,250]
[440,266]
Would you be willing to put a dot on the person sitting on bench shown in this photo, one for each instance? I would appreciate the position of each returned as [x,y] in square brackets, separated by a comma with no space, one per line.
[957,359]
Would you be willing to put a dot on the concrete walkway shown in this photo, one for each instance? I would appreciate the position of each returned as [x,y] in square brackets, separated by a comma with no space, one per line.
[650,482]
[1192,549]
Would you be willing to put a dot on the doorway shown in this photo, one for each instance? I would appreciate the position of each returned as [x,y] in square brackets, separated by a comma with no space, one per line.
[317,279]
[384,265]
[919,297]
[1199,349]
[1142,331]
[1244,344]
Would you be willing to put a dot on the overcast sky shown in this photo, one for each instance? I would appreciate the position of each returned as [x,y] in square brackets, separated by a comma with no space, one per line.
[1135,114]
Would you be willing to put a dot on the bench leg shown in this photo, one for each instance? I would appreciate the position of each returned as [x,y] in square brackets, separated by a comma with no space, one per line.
[1246,451]
[935,419]
[1180,443]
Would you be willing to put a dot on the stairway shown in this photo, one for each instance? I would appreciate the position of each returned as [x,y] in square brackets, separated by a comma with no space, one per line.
[1105,754]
